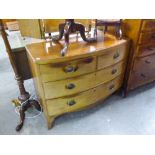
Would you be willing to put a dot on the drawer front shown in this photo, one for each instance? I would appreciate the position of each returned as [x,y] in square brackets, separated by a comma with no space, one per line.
[143,71]
[82,83]
[146,50]
[112,57]
[144,64]
[148,25]
[147,37]
[79,101]
[57,71]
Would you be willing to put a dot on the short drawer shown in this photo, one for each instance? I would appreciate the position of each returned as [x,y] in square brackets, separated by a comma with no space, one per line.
[63,70]
[146,50]
[143,71]
[82,83]
[84,99]
[112,57]
[148,25]
[147,37]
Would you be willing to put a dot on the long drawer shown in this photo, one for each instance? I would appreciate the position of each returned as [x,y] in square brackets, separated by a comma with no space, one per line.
[148,25]
[78,84]
[143,71]
[146,50]
[63,70]
[78,101]
[147,37]
[111,57]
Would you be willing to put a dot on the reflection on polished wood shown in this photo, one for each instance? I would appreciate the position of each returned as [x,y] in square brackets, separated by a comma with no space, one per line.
[50,52]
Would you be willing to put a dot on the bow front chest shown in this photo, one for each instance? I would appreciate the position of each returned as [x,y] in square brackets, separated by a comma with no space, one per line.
[88,73]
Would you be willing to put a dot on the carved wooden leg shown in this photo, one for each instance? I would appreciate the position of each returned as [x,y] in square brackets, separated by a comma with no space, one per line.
[81,29]
[22,110]
[35,104]
[50,122]
[67,29]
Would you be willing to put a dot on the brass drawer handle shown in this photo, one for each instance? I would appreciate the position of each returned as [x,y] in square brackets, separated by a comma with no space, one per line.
[71,103]
[70,86]
[70,69]
[116,55]
[112,87]
[142,75]
[88,60]
[147,62]
[114,71]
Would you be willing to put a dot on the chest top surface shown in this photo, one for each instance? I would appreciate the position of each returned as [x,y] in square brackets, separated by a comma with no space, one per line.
[45,52]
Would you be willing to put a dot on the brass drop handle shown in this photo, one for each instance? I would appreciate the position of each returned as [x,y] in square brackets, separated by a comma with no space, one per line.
[147,61]
[114,71]
[116,55]
[71,103]
[112,87]
[70,86]
[70,69]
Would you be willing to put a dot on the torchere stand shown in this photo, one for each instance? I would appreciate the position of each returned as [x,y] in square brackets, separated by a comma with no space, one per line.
[24,96]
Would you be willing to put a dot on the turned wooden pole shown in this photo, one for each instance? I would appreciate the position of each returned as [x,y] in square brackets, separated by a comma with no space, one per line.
[23,94]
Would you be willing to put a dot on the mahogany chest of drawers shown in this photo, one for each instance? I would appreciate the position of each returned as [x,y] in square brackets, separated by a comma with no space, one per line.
[87,74]
[141,65]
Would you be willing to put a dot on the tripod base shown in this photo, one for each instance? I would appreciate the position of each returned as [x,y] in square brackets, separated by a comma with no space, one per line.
[71,27]
[27,104]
